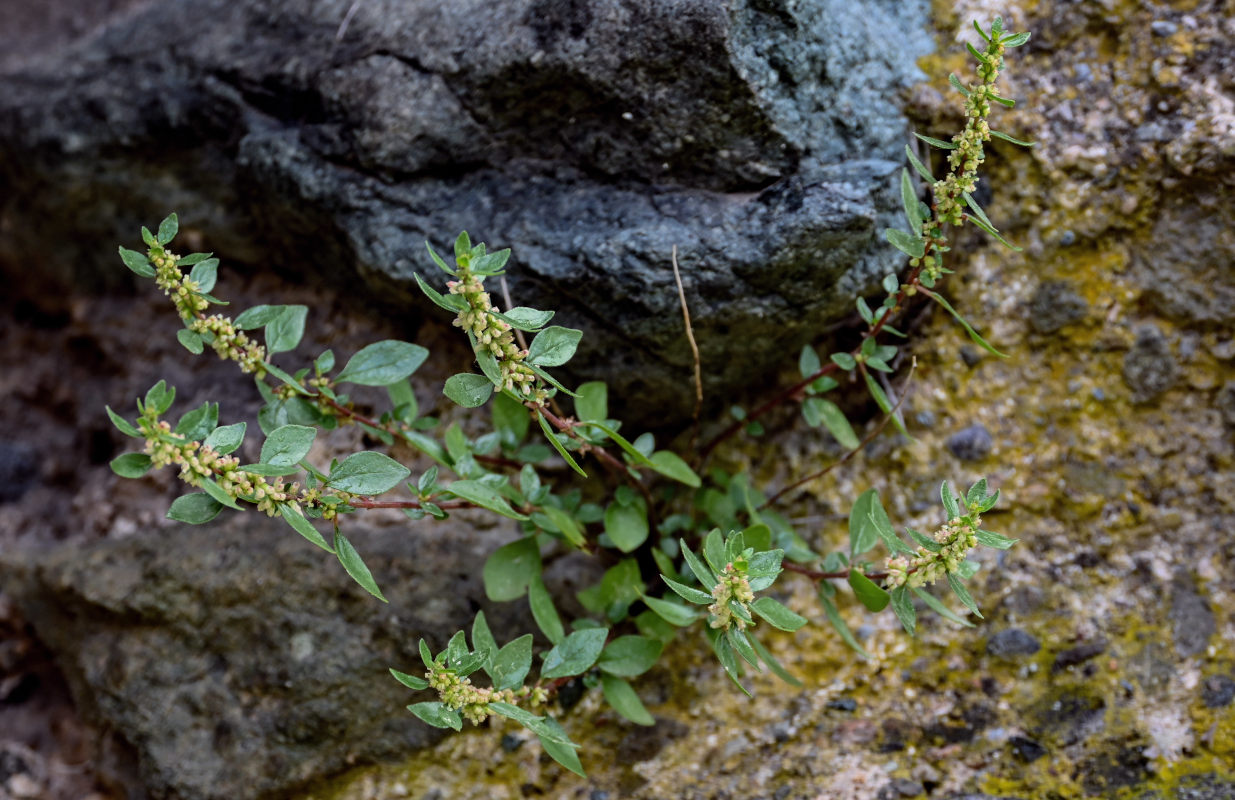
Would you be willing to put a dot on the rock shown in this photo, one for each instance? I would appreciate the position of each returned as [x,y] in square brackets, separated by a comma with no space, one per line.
[1218,691]
[971,444]
[1055,305]
[1112,770]
[1196,787]
[843,704]
[1026,749]
[1150,367]
[1192,620]
[1012,642]
[267,666]
[19,470]
[592,137]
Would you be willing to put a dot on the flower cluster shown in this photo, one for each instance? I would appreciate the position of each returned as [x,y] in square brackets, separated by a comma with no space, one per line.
[182,290]
[495,335]
[473,701]
[956,538]
[198,462]
[731,586]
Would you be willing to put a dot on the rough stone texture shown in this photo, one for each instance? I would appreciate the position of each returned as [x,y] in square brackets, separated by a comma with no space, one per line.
[239,662]
[1150,367]
[1192,619]
[762,139]
[1012,642]
[973,443]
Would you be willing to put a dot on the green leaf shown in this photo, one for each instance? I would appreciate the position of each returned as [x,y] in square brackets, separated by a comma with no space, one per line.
[286,379]
[191,340]
[773,664]
[160,397]
[974,335]
[844,361]
[383,363]
[902,606]
[285,331]
[468,390]
[671,465]
[463,246]
[575,654]
[919,166]
[622,698]
[543,611]
[1015,40]
[137,262]
[883,527]
[547,378]
[817,410]
[303,527]
[258,316]
[593,401]
[687,593]
[437,715]
[764,568]
[881,400]
[451,302]
[674,613]
[724,654]
[940,143]
[777,614]
[131,465]
[873,597]
[195,509]
[939,608]
[483,641]
[508,569]
[168,228]
[205,274]
[524,318]
[288,445]
[510,418]
[123,425]
[1008,138]
[512,663]
[628,656]
[862,534]
[367,473]
[909,199]
[226,439]
[355,566]
[995,540]
[1003,101]
[564,754]
[808,361]
[957,85]
[544,426]
[910,245]
[485,496]
[993,232]
[410,681]
[963,594]
[950,504]
[714,551]
[214,490]
[566,525]
[621,441]
[741,645]
[627,526]
[839,624]
[977,209]
[553,346]
[199,422]
[702,573]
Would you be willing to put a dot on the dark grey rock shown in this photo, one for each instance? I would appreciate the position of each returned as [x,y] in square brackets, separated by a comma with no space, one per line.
[1192,620]
[971,444]
[1196,787]
[240,661]
[843,704]
[1026,749]
[907,788]
[1218,691]
[1162,27]
[757,137]
[1055,305]
[1150,367]
[1071,716]
[19,470]
[1012,642]
[1079,654]
[1114,769]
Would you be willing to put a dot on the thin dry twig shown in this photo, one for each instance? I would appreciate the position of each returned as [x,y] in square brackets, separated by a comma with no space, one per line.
[694,350]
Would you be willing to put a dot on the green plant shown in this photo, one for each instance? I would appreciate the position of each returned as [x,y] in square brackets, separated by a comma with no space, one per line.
[718,545]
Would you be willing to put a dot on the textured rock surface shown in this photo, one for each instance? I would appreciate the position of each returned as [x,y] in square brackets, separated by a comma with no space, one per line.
[238,661]
[591,136]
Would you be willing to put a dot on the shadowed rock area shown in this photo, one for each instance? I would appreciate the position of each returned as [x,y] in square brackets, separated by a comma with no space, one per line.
[333,140]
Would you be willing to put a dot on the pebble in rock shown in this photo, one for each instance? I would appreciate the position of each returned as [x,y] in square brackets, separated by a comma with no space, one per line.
[1225,403]
[1027,749]
[1012,642]
[1150,367]
[971,444]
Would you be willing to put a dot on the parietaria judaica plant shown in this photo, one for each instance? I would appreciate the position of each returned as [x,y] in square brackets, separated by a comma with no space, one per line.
[718,544]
